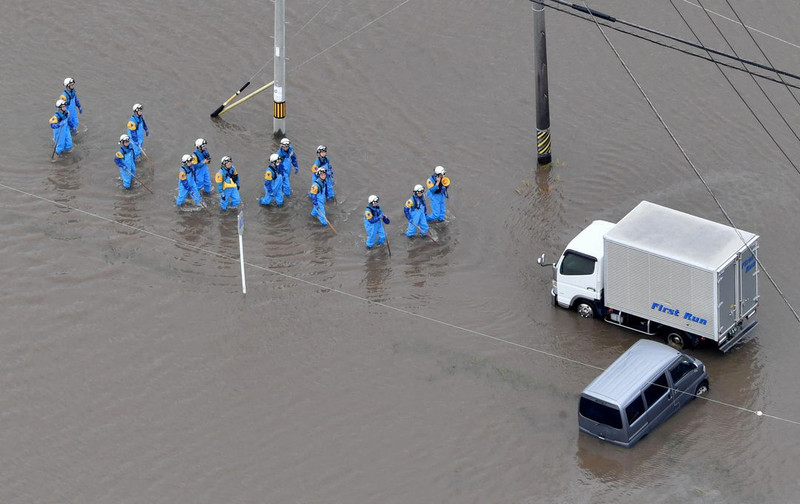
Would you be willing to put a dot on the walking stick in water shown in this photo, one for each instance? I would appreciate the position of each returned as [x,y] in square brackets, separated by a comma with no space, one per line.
[331,226]
[147,158]
[429,235]
[388,248]
[58,139]
[137,180]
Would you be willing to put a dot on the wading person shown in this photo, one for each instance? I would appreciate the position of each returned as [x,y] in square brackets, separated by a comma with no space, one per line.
[374,219]
[319,195]
[288,161]
[415,211]
[186,184]
[228,184]
[323,161]
[200,164]
[60,126]
[437,193]
[124,159]
[70,95]
[273,182]
[137,130]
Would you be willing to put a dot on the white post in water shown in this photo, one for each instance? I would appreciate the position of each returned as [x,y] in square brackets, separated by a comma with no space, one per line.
[279,88]
[542,101]
[241,249]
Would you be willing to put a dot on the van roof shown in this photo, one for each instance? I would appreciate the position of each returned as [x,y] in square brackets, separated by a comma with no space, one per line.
[632,370]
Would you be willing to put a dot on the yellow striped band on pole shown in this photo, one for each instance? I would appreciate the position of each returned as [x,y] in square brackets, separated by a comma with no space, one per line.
[543,141]
[279,110]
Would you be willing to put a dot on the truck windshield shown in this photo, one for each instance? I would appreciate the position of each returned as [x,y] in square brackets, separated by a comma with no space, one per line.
[577,264]
[600,413]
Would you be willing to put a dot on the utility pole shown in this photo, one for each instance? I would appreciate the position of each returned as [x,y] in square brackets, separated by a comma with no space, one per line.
[542,100]
[279,88]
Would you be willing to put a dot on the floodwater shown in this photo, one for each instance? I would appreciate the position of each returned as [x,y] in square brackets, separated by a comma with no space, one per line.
[134,370]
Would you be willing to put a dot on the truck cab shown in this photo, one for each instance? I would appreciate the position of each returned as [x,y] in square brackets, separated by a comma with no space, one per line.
[578,274]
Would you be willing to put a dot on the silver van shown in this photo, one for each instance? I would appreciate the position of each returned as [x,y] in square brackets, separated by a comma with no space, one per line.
[645,386]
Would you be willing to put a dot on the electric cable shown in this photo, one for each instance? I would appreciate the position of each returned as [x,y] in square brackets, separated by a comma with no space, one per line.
[694,168]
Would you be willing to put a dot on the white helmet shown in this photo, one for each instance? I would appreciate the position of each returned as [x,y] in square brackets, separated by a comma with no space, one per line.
[273,158]
[321,148]
[200,142]
[322,169]
[225,159]
[285,141]
[186,159]
[418,188]
[68,81]
[439,170]
[124,138]
[136,107]
[59,103]
[372,199]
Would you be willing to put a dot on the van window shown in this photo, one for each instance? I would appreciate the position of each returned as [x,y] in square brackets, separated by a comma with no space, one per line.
[600,413]
[681,368]
[635,409]
[577,264]
[656,390]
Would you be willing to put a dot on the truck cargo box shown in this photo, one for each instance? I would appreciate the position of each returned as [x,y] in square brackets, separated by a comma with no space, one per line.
[681,270]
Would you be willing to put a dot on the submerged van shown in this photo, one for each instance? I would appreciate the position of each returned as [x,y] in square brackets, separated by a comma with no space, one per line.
[645,386]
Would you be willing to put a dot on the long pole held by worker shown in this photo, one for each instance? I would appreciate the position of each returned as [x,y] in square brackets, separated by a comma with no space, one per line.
[241,249]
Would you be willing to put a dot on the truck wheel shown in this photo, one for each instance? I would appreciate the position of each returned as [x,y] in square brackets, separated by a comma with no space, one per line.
[584,309]
[676,339]
[702,389]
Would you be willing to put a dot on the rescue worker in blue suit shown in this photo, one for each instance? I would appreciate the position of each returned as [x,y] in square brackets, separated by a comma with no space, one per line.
[186,185]
[319,195]
[288,160]
[273,182]
[70,96]
[323,161]
[124,159]
[373,215]
[228,184]
[437,193]
[415,211]
[200,163]
[137,130]
[60,125]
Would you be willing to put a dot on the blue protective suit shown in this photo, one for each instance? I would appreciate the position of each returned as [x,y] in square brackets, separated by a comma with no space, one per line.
[288,160]
[137,129]
[415,211]
[273,186]
[200,161]
[438,196]
[319,163]
[61,135]
[73,107]
[187,187]
[127,167]
[318,195]
[373,224]
[228,187]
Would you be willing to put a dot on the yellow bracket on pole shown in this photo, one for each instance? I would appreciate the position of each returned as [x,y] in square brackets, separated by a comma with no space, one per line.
[232,105]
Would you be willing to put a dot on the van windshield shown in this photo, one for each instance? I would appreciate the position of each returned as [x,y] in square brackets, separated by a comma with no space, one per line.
[600,413]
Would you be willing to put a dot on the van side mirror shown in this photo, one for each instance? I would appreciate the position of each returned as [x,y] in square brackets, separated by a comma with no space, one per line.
[542,262]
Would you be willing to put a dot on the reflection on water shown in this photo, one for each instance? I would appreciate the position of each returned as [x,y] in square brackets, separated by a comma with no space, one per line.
[377,268]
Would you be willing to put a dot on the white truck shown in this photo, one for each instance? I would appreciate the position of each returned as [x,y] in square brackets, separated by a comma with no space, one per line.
[663,273]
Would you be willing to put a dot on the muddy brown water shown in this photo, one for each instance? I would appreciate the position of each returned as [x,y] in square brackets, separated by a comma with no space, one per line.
[134,370]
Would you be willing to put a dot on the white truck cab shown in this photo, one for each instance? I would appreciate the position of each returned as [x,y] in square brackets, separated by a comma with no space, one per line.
[578,274]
